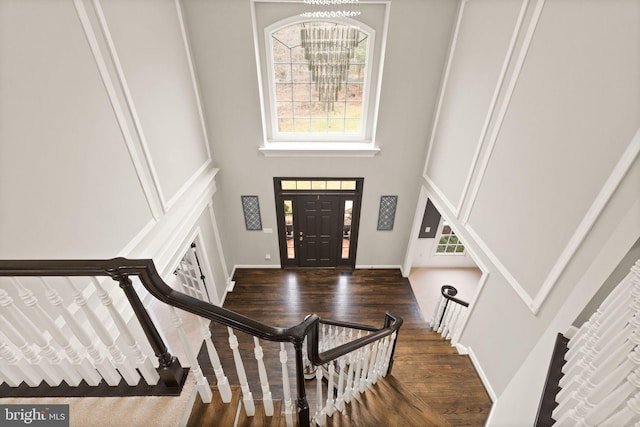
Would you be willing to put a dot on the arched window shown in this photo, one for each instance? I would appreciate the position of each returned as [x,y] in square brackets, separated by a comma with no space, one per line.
[319,97]
[318,85]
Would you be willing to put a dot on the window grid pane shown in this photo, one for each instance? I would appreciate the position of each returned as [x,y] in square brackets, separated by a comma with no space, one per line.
[292,83]
[449,243]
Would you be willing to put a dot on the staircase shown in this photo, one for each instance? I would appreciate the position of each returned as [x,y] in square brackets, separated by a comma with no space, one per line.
[431,384]
[380,406]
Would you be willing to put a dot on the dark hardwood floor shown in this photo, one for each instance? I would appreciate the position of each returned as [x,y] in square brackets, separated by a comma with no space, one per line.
[426,366]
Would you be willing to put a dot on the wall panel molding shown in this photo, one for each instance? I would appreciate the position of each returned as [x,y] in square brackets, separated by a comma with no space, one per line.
[517,69]
[600,202]
[490,144]
[147,180]
[441,96]
[154,191]
[490,114]
[194,77]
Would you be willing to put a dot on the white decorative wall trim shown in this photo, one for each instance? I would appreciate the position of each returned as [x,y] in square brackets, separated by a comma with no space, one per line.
[441,197]
[611,184]
[535,302]
[216,232]
[194,77]
[490,114]
[482,375]
[441,96]
[455,340]
[118,110]
[156,191]
[170,232]
[515,75]
[124,252]
[522,293]
[188,183]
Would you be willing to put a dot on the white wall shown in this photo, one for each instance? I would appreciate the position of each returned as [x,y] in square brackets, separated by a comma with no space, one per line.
[100,131]
[550,132]
[225,59]
[65,173]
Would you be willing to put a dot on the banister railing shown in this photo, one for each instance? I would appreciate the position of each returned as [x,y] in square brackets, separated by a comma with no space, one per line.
[169,370]
[450,313]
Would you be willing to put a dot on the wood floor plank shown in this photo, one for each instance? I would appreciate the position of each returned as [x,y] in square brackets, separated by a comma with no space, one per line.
[426,366]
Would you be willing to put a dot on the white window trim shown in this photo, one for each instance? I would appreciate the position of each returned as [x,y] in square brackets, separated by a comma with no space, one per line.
[339,145]
[441,226]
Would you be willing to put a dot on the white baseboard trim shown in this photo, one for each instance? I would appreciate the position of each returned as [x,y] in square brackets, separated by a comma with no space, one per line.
[483,376]
[235,267]
[461,349]
[379,267]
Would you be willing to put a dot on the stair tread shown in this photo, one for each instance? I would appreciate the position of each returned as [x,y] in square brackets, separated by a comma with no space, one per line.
[387,403]
[260,419]
[217,412]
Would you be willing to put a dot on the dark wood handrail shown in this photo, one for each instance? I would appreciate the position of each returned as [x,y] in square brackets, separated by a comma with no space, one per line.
[119,269]
[151,280]
[392,324]
[449,293]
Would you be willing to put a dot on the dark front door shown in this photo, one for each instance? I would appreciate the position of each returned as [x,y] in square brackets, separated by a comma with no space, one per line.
[318,221]
[318,230]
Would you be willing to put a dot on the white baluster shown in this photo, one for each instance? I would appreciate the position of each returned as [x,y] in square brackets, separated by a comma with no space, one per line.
[89,372]
[61,367]
[342,363]
[614,353]
[355,389]
[105,367]
[348,388]
[437,313]
[606,407]
[365,367]
[616,308]
[321,416]
[222,381]
[596,379]
[387,359]
[609,335]
[39,367]
[264,381]
[444,326]
[323,339]
[382,351]
[460,321]
[202,384]
[286,387]
[41,317]
[455,321]
[372,365]
[143,363]
[15,370]
[624,416]
[330,402]
[247,397]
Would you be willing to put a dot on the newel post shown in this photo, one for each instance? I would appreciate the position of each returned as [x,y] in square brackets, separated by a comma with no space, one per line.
[302,403]
[169,369]
[387,322]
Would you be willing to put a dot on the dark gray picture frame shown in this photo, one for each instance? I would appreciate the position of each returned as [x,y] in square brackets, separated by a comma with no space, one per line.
[387,212]
[251,210]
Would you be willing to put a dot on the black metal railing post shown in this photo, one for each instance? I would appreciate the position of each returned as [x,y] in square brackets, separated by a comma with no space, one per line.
[301,400]
[169,369]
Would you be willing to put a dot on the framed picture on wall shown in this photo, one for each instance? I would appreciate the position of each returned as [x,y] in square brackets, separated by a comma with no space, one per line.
[251,210]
